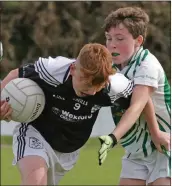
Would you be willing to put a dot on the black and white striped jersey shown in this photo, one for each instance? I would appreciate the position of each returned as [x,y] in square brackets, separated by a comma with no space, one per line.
[67,120]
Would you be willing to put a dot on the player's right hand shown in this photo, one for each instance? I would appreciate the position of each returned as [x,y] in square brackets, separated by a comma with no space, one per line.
[6,111]
[161,139]
[107,143]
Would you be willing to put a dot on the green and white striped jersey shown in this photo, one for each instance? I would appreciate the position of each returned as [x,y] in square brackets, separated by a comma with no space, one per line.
[145,69]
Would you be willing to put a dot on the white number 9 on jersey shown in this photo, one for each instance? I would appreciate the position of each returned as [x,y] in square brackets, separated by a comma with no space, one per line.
[77,106]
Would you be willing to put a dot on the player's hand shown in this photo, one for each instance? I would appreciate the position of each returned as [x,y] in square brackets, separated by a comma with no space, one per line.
[107,142]
[161,139]
[6,111]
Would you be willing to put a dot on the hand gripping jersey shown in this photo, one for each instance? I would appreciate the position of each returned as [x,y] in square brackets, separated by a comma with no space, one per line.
[145,69]
[67,120]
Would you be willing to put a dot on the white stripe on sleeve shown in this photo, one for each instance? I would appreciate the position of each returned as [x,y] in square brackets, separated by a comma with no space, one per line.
[120,86]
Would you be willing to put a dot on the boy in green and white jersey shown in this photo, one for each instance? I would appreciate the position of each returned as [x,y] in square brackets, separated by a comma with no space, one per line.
[125,31]
[145,69]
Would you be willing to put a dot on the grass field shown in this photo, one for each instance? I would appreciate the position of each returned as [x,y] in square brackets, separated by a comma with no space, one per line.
[86,171]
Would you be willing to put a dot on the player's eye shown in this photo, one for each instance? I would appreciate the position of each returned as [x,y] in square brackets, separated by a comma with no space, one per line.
[120,38]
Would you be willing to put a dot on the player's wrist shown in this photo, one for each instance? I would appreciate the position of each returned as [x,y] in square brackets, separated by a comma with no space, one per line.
[156,131]
[114,140]
[155,134]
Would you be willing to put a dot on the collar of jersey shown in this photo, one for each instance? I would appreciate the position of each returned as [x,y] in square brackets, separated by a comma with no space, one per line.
[68,81]
[135,56]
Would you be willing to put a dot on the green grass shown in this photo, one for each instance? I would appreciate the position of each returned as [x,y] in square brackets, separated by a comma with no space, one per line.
[6,140]
[86,171]
[9,173]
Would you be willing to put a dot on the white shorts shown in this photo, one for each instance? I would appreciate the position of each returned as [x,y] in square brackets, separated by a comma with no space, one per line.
[28,141]
[155,166]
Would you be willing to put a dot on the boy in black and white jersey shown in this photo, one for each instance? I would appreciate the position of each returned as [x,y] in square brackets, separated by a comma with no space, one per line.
[75,90]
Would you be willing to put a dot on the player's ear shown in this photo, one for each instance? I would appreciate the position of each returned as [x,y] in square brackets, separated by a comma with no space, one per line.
[139,41]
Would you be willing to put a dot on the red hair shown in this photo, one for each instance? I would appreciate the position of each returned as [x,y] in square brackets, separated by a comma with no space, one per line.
[96,64]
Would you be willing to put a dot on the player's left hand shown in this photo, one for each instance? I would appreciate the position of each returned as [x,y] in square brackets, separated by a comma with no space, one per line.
[107,142]
[5,111]
[161,139]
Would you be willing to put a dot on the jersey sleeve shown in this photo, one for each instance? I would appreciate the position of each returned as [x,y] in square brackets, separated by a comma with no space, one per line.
[51,70]
[147,74]
[28,71]
[120,86]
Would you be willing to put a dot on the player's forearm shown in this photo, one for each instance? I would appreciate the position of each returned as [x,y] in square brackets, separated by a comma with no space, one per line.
[150,117]
[139,99]
[12,75]
[128,119]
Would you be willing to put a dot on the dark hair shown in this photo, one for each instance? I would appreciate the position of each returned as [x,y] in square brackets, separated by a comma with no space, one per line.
[133,18]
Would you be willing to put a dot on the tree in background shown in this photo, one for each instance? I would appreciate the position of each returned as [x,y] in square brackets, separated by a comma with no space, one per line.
[33,29]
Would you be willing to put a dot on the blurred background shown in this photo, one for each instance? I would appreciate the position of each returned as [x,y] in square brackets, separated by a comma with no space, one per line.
[32,29]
